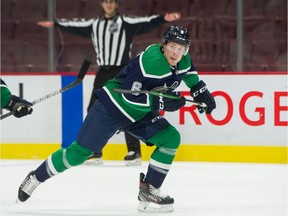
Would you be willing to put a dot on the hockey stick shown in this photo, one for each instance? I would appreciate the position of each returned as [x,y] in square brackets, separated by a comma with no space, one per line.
[83,70]
[156,93]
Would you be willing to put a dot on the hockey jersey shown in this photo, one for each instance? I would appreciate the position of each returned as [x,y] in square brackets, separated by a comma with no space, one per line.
[5,94]
[147,71]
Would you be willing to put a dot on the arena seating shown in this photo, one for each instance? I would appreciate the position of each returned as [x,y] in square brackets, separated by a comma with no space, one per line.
[212,25]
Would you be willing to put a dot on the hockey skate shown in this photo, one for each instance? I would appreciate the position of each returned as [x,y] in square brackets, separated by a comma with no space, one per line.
[95,159]
[27,187]
[133,159]
[151,200]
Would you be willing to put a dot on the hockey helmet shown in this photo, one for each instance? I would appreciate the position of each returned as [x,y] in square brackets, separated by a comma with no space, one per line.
[178,35]
[117,1]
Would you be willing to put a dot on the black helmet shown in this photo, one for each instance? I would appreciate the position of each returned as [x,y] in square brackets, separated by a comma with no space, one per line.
[177,34]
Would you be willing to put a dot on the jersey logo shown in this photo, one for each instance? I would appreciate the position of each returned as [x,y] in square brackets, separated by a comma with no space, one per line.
[136,86]
[174,85]
[113,28]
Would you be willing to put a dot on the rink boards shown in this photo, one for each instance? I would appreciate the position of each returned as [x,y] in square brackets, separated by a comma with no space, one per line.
[249,125]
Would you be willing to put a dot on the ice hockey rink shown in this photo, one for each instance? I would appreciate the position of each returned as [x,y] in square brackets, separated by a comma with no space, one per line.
[199,189]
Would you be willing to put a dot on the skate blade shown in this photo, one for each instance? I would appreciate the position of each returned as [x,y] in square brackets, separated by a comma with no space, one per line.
[149,207]
[93,162]
[136,162]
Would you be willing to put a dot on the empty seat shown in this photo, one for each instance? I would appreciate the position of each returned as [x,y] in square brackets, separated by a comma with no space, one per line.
[13,53]
[275,8]
[210,8]
[254,8]
[37,53]
[148,37]
[8,29]
[29,10]
[70,9]
[265,28]
[139,8]
[74,53]
[162,7]
[215,67]
[7,8]
[78,9]
[91,8]
[21,56]
[138,47]
[268,51]
[30,31]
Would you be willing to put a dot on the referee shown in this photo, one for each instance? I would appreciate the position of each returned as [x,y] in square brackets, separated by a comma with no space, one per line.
[112,36]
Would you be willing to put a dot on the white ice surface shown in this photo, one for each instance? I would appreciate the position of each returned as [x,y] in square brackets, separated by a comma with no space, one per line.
[199,189]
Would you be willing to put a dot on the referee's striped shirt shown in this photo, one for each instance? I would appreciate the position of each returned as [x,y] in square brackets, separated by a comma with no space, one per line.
[112,38]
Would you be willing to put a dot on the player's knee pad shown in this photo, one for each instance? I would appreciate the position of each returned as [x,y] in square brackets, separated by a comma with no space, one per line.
[167,142]
[77,154]
[168,138]
[73,155]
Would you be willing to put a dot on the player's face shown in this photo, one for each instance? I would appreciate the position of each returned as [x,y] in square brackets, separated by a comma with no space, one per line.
[173,52]
[110,7]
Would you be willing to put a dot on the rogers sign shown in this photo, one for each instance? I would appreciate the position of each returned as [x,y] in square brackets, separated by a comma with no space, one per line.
[241,109]
[241,100]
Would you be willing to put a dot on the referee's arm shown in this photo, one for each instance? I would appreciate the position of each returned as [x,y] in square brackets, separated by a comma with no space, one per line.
[142,25]
[79,27]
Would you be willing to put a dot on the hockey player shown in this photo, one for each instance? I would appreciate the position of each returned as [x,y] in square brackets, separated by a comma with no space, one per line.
[112,36]
[162,65]
[13,103]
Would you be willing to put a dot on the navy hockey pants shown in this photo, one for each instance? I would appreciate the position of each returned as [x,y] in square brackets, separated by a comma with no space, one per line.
[99,126]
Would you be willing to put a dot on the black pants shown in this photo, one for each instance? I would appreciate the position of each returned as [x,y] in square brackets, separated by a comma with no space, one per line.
[103,75]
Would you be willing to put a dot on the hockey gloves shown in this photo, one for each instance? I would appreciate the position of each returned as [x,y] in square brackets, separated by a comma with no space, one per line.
[167,104]
[201,94]
[19,106]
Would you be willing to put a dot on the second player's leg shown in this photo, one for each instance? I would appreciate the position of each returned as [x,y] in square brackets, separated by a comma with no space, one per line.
[133,156]
[96,130]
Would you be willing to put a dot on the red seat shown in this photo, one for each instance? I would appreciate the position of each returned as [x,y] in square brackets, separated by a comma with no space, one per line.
[30,31]
[275,8]
[29,10]
[210,8]
[73,53]
[8,29]
[22,56]
[78,9]
[268,52]
[70,9]
[265,28]
[13,53]
[37,53]
[139,8]
[138,47]
[91,9]
[161,7]
[7,8]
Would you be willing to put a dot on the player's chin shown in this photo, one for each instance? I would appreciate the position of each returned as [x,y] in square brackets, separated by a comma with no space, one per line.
[173,61]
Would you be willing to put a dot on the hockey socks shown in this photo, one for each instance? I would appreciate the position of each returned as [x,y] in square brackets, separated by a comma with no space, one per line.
[167,142]
[62,160]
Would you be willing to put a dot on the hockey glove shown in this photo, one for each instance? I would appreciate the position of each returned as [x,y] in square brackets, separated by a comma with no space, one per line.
[201,94]
[167,104]
[19,106]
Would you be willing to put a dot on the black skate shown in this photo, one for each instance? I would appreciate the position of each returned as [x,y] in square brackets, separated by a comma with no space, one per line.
[151,200]
[132,159]
[27,187]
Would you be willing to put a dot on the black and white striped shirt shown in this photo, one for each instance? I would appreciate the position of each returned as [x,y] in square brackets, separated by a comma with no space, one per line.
[112,38]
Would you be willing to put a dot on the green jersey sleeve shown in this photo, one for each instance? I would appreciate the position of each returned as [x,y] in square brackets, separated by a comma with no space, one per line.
[5,95]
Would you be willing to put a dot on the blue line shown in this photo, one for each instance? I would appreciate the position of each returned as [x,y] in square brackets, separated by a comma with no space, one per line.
[72,111]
